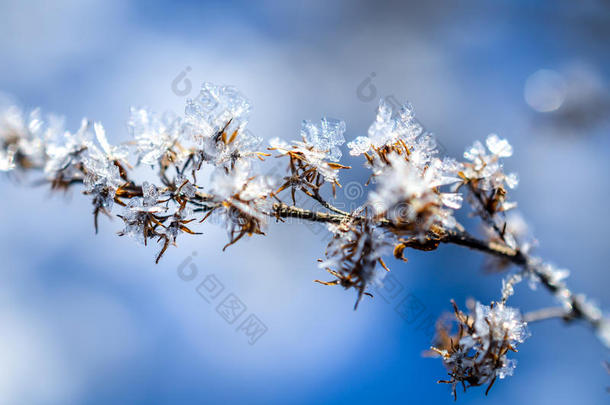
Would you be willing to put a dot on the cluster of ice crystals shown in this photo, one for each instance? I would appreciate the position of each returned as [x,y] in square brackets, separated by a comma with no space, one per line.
[154,135]
[110,153]
[508,368]
[498,323]
[327,137]
[487,167]
[64,154]
[388,129]
[478,354]
[508,285]
[217,120]
[408,195]
[399,182]
[400,132]
[24,137]
[214,108]
[360,145]
[102,175]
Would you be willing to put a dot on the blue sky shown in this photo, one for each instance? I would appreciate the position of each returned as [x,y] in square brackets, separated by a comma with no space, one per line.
[90,319]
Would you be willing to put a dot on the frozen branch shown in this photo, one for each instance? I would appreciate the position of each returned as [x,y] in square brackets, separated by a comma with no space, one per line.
[412,205]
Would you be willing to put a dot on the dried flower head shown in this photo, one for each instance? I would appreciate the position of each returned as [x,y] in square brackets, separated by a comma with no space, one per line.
[158,138]
[216,120]
[353,254]
[477,354]
[412,200]
[244,200]
[485,174]
[22,139]
[313,161]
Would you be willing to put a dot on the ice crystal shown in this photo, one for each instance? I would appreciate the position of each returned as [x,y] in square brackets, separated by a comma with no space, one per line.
[24,137]
[217,108]
[217,120]
[360,145]
[388,129]
[478,354]
[326,137]
[66,153]
[497,323]
[186,187]
[155,135]
[486,167]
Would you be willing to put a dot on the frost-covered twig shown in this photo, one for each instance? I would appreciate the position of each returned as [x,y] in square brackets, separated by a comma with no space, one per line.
[545,314]
[412,205]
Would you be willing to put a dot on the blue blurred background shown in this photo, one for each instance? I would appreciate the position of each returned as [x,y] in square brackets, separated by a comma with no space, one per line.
[90,319]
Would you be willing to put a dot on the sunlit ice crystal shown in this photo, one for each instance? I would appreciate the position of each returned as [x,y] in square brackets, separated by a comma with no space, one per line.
[498,323]
[508,369]
[358,146]
[499,147]
[476,151]
[327,136]
[452,200]
[381,131]
[407,127]
[512,180]
[216,107]
[101,175]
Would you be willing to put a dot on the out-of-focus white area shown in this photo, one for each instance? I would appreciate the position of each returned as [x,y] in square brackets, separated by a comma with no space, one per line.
[91,318]
[545,90]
